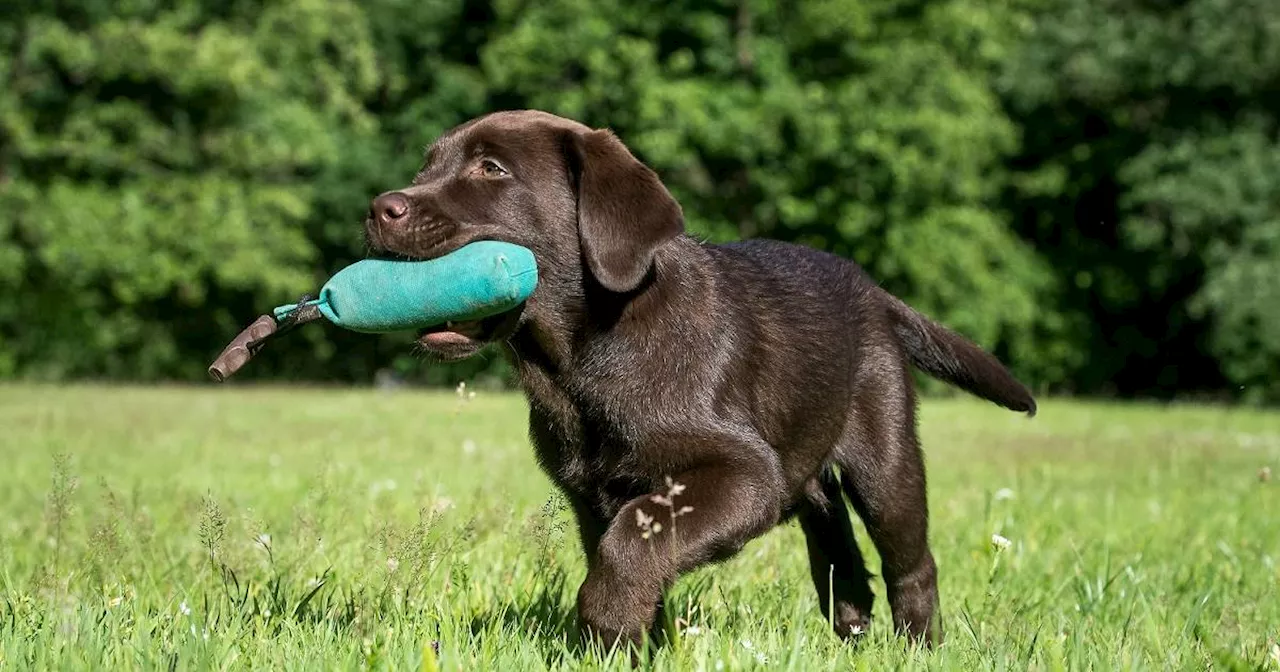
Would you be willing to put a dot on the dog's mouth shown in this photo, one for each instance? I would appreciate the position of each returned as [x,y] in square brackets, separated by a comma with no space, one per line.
[470,332]
[454,341]
[458,339]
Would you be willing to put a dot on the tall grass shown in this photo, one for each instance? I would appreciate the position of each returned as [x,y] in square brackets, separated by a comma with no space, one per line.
[238,528]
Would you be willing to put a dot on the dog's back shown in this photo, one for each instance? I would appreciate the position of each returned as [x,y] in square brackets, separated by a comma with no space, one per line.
[829,310]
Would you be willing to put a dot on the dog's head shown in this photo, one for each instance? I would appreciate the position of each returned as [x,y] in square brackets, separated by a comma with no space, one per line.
[593,215]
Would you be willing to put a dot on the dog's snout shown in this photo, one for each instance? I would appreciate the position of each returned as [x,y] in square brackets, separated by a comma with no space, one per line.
[390,207]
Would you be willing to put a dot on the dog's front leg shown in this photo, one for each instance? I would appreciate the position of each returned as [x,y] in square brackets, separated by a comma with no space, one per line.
[702,515]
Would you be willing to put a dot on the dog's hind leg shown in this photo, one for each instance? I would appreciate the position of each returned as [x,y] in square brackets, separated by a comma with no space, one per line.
[882,472]
[835,562]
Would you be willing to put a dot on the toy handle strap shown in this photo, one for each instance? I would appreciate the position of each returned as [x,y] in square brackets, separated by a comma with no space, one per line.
[248,342]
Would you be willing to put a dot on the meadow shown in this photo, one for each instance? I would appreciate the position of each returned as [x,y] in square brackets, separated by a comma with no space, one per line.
[310,529]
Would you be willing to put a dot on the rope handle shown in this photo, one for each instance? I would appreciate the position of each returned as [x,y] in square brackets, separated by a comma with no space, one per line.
[247,343]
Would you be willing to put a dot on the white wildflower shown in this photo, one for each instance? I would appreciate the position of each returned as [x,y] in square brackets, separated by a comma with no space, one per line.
[1003,494]
[644,521]
[264,539]
[442,504]
[115,601]
[392,565]
[759,656]
[1001,543]
[184,609]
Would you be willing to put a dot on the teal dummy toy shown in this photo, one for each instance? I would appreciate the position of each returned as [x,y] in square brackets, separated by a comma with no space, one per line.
[476,281]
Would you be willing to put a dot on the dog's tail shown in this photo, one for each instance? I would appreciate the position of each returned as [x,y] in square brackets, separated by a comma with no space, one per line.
[950,357]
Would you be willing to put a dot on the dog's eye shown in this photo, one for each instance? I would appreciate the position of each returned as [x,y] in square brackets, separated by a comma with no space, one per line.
[491,169]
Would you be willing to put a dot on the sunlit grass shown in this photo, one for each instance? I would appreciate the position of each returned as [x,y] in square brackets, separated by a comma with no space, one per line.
[336,529]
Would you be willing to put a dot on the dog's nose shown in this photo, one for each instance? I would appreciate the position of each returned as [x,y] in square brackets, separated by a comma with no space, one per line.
[390,207]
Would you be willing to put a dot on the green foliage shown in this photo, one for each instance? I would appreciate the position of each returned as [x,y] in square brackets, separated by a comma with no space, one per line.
[158,162]
[1210,200]
[245,531]
[841,125]
[1148,176]
[1088,188]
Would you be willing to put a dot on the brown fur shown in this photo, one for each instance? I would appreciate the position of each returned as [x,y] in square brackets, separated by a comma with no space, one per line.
[747,372]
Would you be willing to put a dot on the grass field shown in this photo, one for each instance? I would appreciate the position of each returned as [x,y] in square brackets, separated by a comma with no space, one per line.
[329,529]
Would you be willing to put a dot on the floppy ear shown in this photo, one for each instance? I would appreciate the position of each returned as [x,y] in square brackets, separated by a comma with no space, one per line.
[625,213]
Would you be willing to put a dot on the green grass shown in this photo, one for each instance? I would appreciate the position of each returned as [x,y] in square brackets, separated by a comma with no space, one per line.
[1142,538]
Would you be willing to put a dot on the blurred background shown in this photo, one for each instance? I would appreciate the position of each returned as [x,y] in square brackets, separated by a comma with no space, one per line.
[1089,188]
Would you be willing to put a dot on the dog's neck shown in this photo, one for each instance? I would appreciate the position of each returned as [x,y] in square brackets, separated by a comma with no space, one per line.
[556,345]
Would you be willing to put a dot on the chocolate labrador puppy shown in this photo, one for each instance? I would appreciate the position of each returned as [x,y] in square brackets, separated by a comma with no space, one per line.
[764,379]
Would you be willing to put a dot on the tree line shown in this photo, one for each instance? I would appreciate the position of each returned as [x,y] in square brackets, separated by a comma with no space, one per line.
[1089,188]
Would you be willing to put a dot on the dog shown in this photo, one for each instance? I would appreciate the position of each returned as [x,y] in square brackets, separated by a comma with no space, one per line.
[687,397]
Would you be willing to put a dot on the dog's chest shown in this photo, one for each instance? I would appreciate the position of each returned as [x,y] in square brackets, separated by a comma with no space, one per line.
[591,454]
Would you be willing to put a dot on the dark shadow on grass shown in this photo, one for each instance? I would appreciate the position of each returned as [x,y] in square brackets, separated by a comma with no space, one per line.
[548,617]
[545,616]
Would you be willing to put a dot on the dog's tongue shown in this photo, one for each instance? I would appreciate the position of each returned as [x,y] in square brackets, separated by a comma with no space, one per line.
[445,338]
[454,333]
